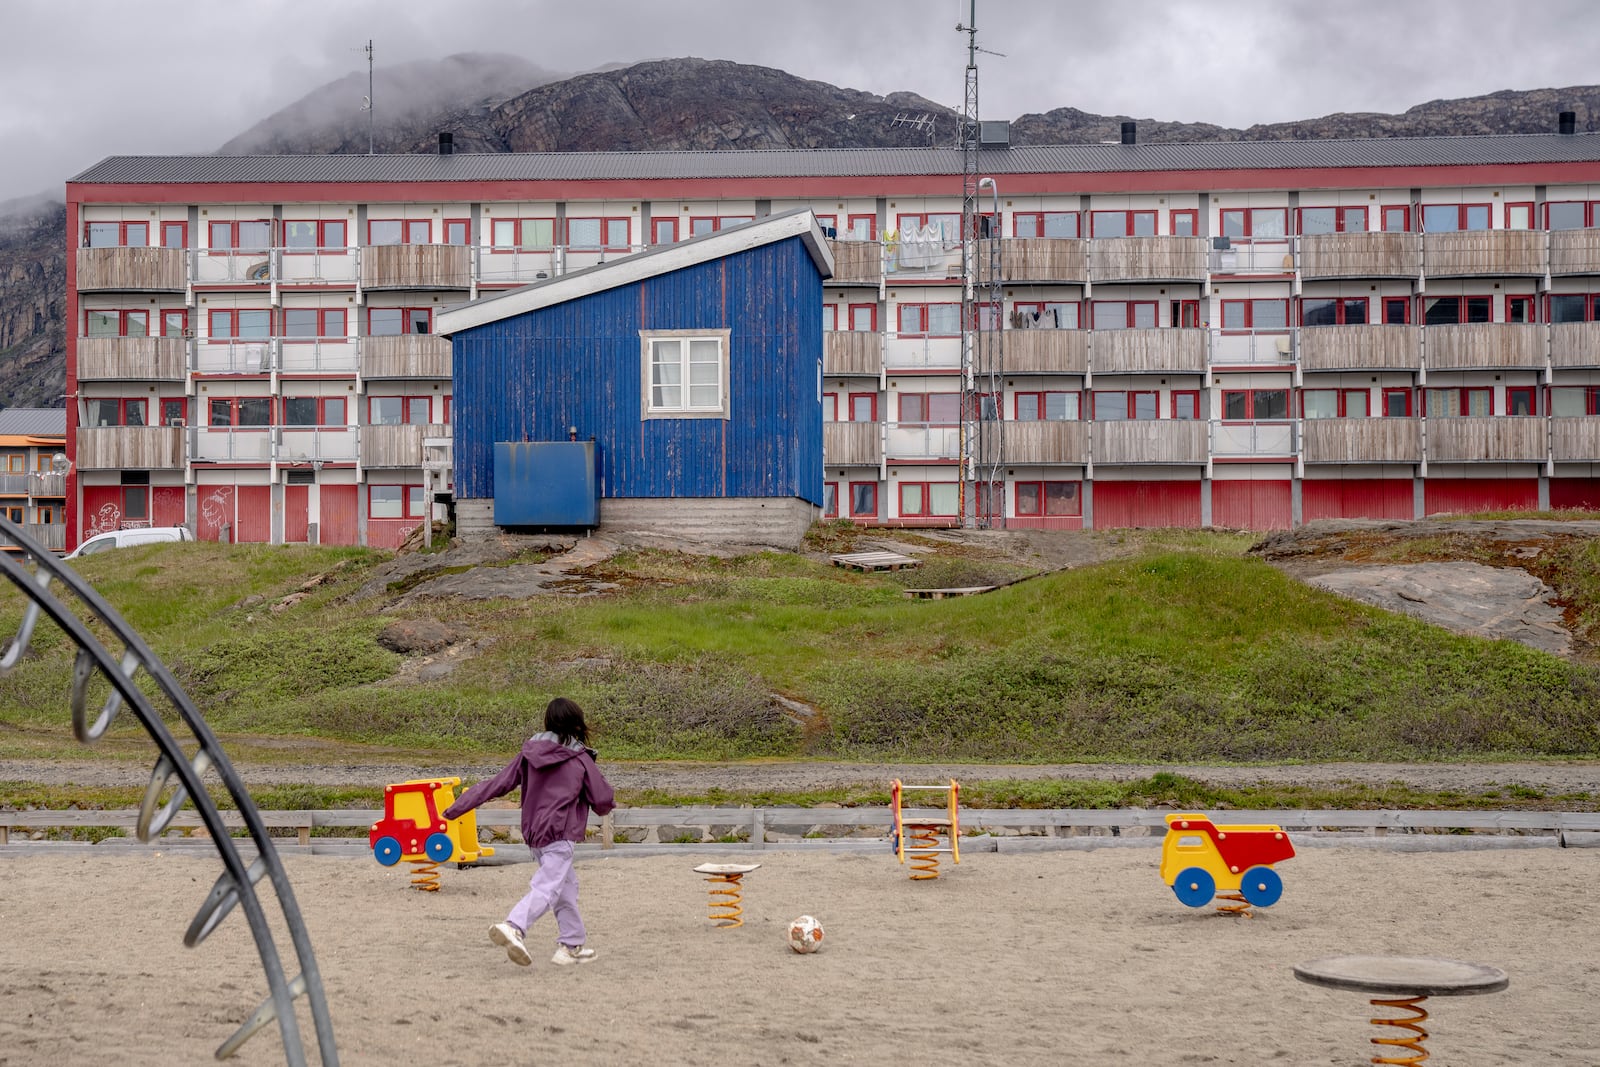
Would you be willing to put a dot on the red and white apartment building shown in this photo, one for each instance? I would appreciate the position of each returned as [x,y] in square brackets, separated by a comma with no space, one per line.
[1249,334]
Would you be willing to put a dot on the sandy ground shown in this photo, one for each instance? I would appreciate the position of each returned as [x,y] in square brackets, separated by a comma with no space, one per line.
[1049,958]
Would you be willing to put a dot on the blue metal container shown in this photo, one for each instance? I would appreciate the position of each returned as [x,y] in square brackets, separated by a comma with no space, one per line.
[546,483]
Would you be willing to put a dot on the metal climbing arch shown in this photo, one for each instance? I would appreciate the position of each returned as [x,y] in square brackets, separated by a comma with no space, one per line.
[236,885]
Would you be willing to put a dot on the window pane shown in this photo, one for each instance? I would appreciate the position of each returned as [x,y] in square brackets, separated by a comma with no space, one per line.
[385,410]
[221,413]
[136,234]
[1182,224]
[1443,403]
[1109,223]
[943,499]
[102,413]
[1479,309]
[1355,312]
[1028,407]
[1441,218]
[1353,219]
[1442,311]
[333,235]
[1396,404]
[1478,402]
[172,323]
[414,502]
[333,411]
[1063,316]
[830,498]
[1061,498]
[255,235]
[504,233]
[255,411]
[861,409]
[1520,402]
[1060,224]
[913,407]
[105,234]
[109,324]
[299,411]
[135,502]
[1144,223]
[538,234]
[221,235]
[1270,314]
[1110,406]
[254,325]
[1026,224]
[1233,315]
[1355,403]
[1185,406]
[1271,404]
[1060,406]
[1477,217]
[1394,219]
[1235,405]
[299,235]
[383,232]
[417,410]
[583,233]
[1569,400]
[300,322]
[862,318]
[1567,215]
[665,231]
[1144,316]
[1519,216]
[386,501]
[1109,314]
[860,230]
[385,322]
[1318,220]
[1320,403]
[1267,222]
[944,408]
[616,233]
[1318,312]
[1027,498]
[1567,308]
[172,234]
[1233,224]
[418,320]
[911,500]
[1396,312]
[1144,405]
[418,231]
[944,319]
[863,498]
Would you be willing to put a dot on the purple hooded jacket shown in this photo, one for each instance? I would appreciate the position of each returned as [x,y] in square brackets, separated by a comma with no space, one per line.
[560,784]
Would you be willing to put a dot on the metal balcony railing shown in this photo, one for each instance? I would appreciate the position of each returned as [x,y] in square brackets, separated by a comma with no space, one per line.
[921,352]
[921,440]
[1268,439]
[1240,348]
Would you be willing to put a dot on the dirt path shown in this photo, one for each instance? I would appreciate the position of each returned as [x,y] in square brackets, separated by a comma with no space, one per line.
[1554,777]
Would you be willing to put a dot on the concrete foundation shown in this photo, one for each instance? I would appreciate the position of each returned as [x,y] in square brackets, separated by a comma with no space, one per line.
[770,522]
[475,520]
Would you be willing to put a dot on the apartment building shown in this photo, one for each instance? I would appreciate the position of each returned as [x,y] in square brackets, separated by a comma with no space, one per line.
[32,489]
[1235,334]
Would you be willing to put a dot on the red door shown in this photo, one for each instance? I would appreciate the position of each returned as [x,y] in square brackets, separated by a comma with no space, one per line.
[1120,504]
[254,505]
[338,514]
[296,514]
[1252,505]
[102,509]
[214,505]
[166,505]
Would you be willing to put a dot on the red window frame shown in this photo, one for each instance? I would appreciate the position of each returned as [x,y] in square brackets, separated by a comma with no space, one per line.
[1340,312]
[173,407]
[408,408]
[1466,392]
[1130,313]
[871,311]
[830,407]
[1462,300]
[872,229]
[1185,314]
[1403,303]
[872,491]
[453,228]
[911,403]
[325,325]
[1529,307]
[926,511]
[1131,397]
[1591,397]
[406,496]
[1341,402]
[516,244]
[830,318]
[605,244]
[1250,414]
[1189,215]
[232,335]
[1190,395]
[1530,393]
[702,225]
[124,317]
[122,233]
[919,313]
[1461,216]
[1036,222]
[1392,393]
[123,403]
[1040,506]
[1387,214]
[1589,212]
[1249,315]
[1526,205]
[1342,217]
[1591,306]
[325,244]
[233,412]
[1037,307]
[233,244]
[828,222]
[1130,226]
[871,400]
[405,319]
[664,231]
[168,316]
[1247,223]
[920,219]
[322,403]
[1038,400]
[182,230]
[830,500]
[412,231]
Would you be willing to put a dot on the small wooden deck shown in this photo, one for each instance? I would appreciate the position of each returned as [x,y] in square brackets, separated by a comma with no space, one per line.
[875,561]
[942,594]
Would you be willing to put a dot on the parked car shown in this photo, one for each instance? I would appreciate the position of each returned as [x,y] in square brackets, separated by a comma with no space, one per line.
[149,535]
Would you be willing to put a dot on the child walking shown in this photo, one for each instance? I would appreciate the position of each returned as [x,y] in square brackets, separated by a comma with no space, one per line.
[560,785]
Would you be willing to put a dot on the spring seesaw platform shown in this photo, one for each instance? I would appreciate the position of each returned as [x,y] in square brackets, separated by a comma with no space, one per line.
[726,903]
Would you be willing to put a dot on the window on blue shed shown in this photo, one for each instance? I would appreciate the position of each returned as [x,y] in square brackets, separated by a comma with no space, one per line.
[686,375]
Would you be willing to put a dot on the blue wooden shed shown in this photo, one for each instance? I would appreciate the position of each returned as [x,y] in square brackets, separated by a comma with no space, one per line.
[675,392]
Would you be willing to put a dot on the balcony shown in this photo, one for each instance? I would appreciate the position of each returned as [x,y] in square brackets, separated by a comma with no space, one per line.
[405,356]
[1054,441]
[1575,439]
[1485,345]
[1046,351]
[856,262]
[921,352]
[48,535]
[316,444]
[921,440]
[1277,439]
[1147,259]
[130,448]
[416,267]
[1575,344]
[15,484]
[224,444]
[1369,347]
[148,270]
[1489,439]
[246,268]
[1360,255]
[1172,350]
[851,444]
[1040,259]
[316,266]
[1148,441]
[1252,257]
[1396,440]
[234,357]
[921,254]
[153,358]
[1479,253]
[1243,349]
[851,352]
[47,484]
[519,266]
[319,355]
[397,446]
[1574,252]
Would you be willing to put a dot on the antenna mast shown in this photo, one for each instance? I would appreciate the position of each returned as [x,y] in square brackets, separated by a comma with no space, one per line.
[982,301]
[366,105]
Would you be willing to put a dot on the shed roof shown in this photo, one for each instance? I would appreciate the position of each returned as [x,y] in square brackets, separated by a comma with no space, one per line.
[799,222]
[34,422]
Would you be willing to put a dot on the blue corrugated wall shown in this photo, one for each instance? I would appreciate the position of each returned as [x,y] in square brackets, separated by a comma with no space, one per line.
[531,377]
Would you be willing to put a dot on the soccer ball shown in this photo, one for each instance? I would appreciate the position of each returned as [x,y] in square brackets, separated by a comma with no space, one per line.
[804,934]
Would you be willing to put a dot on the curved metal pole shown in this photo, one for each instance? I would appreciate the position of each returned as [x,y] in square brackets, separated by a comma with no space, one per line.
[237,883]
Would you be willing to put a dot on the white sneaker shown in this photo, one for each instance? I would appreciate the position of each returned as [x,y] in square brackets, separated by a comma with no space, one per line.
[566,954]
[509,936]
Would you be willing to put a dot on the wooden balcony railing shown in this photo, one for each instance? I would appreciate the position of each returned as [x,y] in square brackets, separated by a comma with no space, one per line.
[1575,344]
[47,484]
[856,262]
[151,270]
[1149,441]
[1396,440]
[132,447]
[1114,259]
[157,358]
[1360,255]
[1482,252]
[1575,439]
[1485,345]
[1053,441]
[1492,439]
[397,446]
[1172,350]
[405,356]
[1360,348]
[416,267]
[1574,252]
[852,352]
[847,444]
[1039,259]
[1046,351]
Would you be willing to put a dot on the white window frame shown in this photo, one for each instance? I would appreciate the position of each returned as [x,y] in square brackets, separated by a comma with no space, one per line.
[647,407]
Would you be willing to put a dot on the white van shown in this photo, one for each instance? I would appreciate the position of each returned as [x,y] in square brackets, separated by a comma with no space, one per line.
[150,535]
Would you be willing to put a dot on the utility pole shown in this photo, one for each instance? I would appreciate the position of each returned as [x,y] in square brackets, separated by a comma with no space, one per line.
[366,104]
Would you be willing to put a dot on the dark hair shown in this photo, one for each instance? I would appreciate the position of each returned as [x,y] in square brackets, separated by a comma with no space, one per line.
[564,718]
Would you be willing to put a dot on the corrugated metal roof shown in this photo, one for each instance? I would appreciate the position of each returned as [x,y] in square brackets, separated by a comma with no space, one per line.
[34,422]
[850,162]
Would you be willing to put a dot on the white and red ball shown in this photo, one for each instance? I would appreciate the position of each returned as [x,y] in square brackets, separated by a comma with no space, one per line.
[804,934]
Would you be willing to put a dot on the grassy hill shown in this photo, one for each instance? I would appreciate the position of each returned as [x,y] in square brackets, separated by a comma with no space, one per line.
[1186,650]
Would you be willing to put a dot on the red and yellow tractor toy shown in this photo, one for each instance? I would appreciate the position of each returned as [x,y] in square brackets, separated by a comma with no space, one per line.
[414,828]
[1201,861]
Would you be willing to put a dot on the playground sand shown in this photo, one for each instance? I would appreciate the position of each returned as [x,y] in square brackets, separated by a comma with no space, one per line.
[1080,958]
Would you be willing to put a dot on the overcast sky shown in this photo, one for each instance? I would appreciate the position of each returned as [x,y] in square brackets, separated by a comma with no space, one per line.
[84,79]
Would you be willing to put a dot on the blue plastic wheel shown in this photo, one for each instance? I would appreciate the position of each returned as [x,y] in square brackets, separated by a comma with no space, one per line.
[1261,886]
[1195,887]
[438,847]
[386,851]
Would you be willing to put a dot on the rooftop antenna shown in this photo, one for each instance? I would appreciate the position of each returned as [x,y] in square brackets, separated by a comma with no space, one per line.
[366,101]
[923,121]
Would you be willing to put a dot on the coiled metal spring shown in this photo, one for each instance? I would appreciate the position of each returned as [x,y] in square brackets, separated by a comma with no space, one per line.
[1412,1042]
[424,875]
[726,904]
[922,845]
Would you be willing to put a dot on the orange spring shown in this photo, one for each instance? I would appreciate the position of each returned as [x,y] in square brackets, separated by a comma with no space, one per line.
[424,875]
[1239,905]
[727,912]
[1412,1042]
[924,864]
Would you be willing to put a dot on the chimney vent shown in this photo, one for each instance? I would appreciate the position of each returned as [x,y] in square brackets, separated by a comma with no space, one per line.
[1567,123]
[1130,133]
[447,144]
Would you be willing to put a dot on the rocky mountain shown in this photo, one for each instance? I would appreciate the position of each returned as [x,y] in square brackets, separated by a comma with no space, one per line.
[498,103]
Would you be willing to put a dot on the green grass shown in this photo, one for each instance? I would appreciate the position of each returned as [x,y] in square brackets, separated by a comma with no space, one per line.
[1185,650]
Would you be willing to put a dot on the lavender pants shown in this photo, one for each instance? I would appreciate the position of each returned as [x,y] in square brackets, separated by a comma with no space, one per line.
[554,887]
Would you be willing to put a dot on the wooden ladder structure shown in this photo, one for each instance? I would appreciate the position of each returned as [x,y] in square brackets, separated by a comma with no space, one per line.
[917,834]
